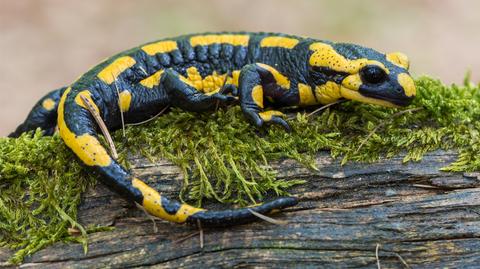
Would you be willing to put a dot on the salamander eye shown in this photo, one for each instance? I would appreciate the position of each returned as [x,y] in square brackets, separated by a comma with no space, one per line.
[373,74]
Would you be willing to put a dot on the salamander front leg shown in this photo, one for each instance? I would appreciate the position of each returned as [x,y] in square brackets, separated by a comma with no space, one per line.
[251,90]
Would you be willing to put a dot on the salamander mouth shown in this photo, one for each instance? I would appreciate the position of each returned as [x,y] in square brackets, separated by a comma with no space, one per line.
[397,102]
[357,96]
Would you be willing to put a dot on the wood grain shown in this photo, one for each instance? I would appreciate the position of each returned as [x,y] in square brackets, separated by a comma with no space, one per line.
[429,218]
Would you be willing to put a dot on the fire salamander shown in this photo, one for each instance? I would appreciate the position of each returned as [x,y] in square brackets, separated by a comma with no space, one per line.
[261,71]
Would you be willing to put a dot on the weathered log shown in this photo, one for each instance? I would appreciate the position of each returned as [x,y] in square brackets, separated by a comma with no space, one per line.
[409,215]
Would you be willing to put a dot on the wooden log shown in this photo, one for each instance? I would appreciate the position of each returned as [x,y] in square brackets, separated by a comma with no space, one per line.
[409,215]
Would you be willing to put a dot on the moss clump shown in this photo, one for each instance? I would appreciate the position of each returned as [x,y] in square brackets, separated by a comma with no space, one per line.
[225,159]
[40,188]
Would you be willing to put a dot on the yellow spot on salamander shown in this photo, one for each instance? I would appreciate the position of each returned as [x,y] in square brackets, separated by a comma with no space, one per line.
[398,59]
[213,83]
[48,104]
[152,80]
[306,95]
[325,55]
[281,80]
[88,95]
[193,79]
[85,146]
[235,77]
[328,93]
[267,115]
[124,100]
[407,84]
[110,73]
[353,82]
[279,41]
[209,85]
[152,202]
[257,95]
[160,47]
[205,40]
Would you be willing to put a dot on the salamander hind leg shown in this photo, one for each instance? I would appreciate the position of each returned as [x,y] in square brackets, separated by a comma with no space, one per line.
[78,130]
[43,115]
[183,94]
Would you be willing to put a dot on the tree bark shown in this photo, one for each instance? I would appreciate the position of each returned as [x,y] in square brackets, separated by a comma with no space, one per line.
[408,215]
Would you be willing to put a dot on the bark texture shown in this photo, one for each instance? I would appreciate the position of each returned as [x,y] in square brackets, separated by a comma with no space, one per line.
[415,215]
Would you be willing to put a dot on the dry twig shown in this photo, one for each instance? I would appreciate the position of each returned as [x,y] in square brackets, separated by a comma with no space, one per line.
[201,233]
[402,260]
[149,120]
[186,237]
[376,256]
[101,124]
[268,219]
[152,218]
[121,111]
[325,107]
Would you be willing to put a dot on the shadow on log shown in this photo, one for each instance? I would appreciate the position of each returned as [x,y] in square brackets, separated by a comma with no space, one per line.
[416,215]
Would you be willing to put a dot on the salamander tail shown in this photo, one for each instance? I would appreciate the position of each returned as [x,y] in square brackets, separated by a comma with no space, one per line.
[242,215]
[162,207]
[79,131]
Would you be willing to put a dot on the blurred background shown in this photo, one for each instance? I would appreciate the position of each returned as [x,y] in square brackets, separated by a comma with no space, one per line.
[46,44]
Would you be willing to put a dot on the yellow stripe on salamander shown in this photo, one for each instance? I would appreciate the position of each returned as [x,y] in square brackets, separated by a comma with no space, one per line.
[268,115]
[257,95]
[152,202]
[328,93]
[110,73]
[307,98]
[398,59]
[153,80]
[124,100]
[281,80]
[160,47]
[279,41]
[407,84]
[88,95]
[85,146]
[206,40]
[235,77]
[326,56]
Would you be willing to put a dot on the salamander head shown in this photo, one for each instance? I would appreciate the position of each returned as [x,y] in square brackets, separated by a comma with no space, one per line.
[363,74]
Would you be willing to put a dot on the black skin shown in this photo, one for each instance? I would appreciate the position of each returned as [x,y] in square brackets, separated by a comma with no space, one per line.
[39,117]
[172,91]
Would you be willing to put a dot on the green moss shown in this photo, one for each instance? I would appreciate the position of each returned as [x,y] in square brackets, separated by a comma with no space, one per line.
[225,159]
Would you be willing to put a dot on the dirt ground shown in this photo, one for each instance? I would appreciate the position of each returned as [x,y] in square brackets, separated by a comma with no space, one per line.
[45,44]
